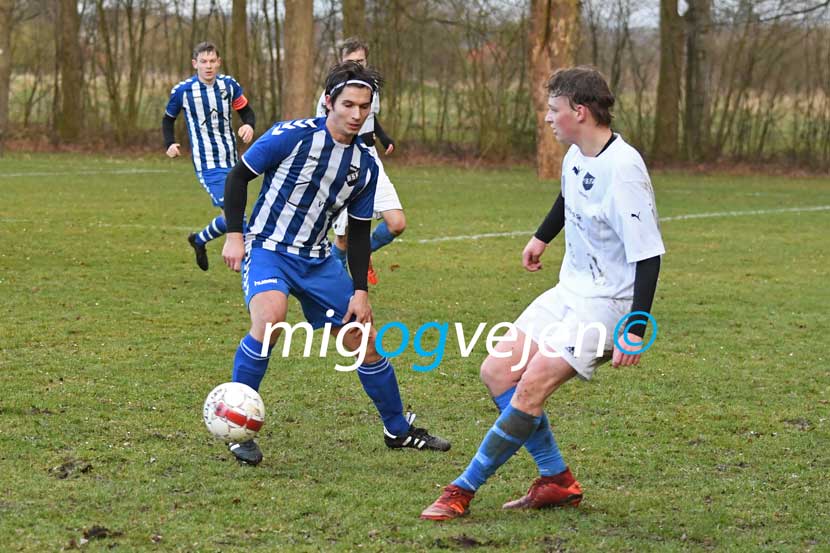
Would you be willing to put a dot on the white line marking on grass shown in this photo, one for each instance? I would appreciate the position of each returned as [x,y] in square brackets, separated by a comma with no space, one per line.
[662,220]
[715,214]
[73,173]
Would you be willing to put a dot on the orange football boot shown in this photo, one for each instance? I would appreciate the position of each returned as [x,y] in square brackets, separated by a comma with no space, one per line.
[453,503]
[372,276]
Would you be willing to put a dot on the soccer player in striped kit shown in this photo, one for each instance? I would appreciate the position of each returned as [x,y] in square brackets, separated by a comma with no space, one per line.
[314,169]
[208,98]
[387,204]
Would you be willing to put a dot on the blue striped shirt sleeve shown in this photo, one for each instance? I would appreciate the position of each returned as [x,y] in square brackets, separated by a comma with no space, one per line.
[174,105]
[362,206]
[269,150]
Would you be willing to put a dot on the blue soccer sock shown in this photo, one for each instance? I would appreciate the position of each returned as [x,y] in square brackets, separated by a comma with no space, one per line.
[541,444]
[249,365]
[340,255]
[213,230]
[503,440]
[381,386]
[381,236]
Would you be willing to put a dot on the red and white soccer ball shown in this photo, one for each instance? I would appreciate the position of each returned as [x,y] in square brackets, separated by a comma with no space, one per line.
[234,412]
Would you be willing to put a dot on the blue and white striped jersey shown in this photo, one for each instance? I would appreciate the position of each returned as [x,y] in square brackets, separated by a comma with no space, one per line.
[208,111]
[309,178]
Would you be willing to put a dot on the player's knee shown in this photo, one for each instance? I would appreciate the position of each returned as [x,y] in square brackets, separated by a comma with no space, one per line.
[493,375]
[396,223]
[372,354]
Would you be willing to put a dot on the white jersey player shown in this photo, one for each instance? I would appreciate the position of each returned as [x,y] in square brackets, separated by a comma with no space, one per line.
[603,298]
[387,204]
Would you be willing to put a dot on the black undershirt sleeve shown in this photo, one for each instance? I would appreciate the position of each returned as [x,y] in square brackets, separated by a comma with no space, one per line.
[358,252]
[168,130]
[247,116]
[554,221]
[236,195]
[368,139]
[381,134]
[645,285]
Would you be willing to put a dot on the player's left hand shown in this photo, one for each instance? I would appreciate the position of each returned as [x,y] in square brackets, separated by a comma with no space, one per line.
[390,149]
[623,359]
[359,308]
[246,133]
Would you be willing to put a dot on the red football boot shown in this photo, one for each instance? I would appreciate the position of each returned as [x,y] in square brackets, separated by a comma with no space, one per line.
[453,503]
[561,490]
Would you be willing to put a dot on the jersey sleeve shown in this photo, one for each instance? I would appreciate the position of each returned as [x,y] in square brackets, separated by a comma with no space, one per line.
[321,105]
[363,205]
[238,99]
[269,150]
[630,210]
[174,105]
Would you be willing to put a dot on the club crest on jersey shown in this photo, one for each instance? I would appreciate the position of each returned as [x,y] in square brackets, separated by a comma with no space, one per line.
[352,175]
[588,181]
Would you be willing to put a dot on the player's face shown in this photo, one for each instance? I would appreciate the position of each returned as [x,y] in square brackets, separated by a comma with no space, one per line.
[349,112]
[563,119]
[207,66]
[358,56]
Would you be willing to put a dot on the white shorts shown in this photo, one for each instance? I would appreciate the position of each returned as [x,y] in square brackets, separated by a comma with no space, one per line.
[574,327]
[386,198]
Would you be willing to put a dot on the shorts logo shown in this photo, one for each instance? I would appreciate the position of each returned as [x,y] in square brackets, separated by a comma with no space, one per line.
[588,181]
[266,281]
[351,177]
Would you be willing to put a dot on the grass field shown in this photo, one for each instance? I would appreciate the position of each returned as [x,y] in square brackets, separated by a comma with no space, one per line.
[111,338]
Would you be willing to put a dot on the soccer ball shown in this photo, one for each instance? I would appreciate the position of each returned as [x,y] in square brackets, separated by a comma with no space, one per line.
[234,412]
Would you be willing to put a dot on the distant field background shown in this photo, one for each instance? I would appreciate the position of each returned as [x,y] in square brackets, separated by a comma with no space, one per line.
[111,338]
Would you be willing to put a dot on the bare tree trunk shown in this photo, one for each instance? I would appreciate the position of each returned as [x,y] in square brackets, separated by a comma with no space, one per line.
[6,7]
[70,121]
[696,123]
[354,18]
[667,119]
[240,60]
[273,92]
[298,98]
[554,33]
[279,67]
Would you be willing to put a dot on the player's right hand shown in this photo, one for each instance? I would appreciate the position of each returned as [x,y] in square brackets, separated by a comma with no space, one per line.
[359,308]
[173,150]
[532,254]
[234,250]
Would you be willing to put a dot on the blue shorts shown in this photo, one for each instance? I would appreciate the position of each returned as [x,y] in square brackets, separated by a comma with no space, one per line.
[319,284]
[213,181]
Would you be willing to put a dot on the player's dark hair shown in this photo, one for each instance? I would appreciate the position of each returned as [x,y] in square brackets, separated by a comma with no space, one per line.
[353,44]
[584,85]
[342,73]
[205,47]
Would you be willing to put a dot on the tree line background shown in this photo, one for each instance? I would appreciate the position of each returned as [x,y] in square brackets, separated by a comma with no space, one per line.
[698,80]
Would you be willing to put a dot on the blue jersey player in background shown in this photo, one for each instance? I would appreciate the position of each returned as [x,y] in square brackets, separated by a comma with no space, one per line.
[208,99]
[313,170]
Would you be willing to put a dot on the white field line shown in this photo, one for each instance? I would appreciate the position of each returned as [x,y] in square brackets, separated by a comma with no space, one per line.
[710,215]
[73,173]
